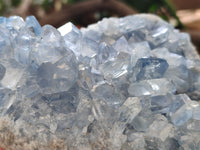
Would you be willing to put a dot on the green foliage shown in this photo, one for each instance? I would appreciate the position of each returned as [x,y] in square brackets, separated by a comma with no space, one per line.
[142,5]
[74,1]
[2,7]
[6,5]
[172,12]
[15,2]
[47,4]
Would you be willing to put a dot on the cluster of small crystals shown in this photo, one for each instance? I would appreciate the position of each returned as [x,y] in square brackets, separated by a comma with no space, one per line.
[121,84]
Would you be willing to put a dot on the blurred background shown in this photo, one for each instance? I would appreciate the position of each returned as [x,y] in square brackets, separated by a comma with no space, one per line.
[183,14]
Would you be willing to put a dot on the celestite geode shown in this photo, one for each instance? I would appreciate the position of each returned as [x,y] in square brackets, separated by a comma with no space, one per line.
[120,84]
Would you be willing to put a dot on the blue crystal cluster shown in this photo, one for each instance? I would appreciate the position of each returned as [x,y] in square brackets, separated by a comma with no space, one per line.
[129,83]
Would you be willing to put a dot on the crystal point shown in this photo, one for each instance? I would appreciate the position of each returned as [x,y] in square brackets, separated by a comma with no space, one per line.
[31,22]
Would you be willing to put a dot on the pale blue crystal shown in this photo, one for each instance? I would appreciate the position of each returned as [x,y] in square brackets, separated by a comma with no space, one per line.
[116,68]
[130,109]
[108,93]
[32,23]
[13,74]
[105,24]
[121,45]
[6,97]
[43,54]
[131,23]
[185,48]
[105,53]
[194,125]
[158,35]
[142,121]
[51,36]
[70,31]
[179,75]
[71,35]
[151,87]
[15,22]
[23,45]
[182,115]
[4,40]
[86,47]
[64,102]
[139,50]
[92,33]
[167,104]
[196,113]
[177,70]
[49,49]
[2,71]
[3,21]
[161,104]
[160,128]
[150,68]
[57,77]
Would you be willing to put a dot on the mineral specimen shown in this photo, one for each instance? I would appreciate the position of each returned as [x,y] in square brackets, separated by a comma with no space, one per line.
[129,83]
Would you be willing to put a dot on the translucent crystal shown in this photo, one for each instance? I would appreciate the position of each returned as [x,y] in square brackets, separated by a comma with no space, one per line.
[139,50]
[105,24]
[50,48]
[131,23]
[43,54]
[121,45]
[105,53]
[158,35]
[15,22]
[149,68]
[23,45]
[69,31]
[31,22]
[151,87]
[86,47]
[186,48]
[130,108]
[196,113]
[115,69]
[71,35]
[7,98]
[165,104]
[161,104]
[108,93]
[142,121]
[13,73]
[3,21]
[2,71]
[4,41]
[64,102]
[194,125]
[177,70]
[182,115]
[178,101]
[57,77]
[50,35]
[160,128]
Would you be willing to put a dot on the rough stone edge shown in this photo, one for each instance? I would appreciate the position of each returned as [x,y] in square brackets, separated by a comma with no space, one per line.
[10,141]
